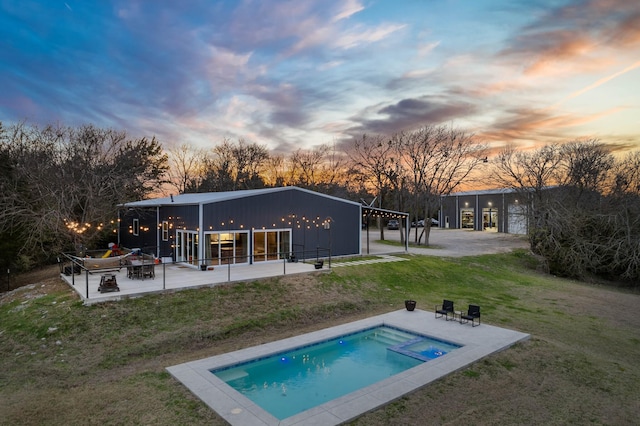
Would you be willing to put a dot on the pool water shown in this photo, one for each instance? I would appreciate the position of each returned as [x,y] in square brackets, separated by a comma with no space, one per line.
[300,379]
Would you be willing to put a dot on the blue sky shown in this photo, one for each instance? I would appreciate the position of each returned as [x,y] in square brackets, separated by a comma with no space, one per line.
[294,74]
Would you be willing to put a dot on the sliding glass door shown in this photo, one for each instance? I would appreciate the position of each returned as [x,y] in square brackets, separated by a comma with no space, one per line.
[271,245]
[222,248]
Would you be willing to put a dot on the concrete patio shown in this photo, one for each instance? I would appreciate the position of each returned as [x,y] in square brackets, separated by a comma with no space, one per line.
[175,276]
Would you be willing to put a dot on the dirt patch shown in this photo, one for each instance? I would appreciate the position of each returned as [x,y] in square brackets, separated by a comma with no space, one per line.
[42,283]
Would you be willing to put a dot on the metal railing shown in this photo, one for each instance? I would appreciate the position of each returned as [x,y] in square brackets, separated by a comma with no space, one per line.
[71,264]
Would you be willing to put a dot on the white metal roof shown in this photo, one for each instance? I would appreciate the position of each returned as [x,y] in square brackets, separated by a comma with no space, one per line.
[484,192]
[214,197]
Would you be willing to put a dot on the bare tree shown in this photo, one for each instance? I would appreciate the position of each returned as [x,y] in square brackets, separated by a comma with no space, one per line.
[273,171]
[531,173]
[624,200]
[587,164]
[305,167]
[438,160]
[626,175]
[233,166]
[186,167]
[375,158]
[248,159]
[584,217]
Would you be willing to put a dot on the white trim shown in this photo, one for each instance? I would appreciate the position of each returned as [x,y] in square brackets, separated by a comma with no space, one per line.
[215,197]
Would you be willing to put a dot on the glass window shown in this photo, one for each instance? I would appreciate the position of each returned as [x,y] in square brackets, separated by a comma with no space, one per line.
[165,230]
[272,245]
[259,246]
[285,245]
[242,247]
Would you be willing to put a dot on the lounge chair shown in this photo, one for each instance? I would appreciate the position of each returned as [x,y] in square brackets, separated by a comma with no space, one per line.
[472,315]
[445,310]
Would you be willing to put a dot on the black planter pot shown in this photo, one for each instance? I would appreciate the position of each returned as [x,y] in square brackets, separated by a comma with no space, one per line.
[410,305]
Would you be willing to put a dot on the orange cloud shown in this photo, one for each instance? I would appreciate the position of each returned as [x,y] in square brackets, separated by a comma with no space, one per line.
[560,46]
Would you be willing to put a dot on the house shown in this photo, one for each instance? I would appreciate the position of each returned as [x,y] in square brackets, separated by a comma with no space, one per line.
[492,210]
[246,227]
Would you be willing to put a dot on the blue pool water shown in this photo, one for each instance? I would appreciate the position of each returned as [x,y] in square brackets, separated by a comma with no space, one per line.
[300,379]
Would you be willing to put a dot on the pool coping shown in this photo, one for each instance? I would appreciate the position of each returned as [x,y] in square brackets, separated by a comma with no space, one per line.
[477,343]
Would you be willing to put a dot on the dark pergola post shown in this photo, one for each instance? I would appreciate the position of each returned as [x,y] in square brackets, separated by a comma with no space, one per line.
[369,211]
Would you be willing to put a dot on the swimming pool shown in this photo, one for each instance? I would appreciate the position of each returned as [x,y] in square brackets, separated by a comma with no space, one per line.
[238,410]
[290,382]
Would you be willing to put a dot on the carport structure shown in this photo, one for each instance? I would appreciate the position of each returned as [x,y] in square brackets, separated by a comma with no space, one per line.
[368,212]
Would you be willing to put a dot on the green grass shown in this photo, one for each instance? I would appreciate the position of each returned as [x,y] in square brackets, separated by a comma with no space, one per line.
[65,363]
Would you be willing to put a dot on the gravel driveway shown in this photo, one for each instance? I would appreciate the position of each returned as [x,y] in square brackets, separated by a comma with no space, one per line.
[448,242]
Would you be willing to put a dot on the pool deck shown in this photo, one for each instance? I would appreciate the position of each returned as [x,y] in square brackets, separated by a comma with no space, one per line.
[478,342]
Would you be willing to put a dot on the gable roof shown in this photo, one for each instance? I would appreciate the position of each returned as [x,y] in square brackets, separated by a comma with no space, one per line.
[498,191]
[483,192]
[214,197]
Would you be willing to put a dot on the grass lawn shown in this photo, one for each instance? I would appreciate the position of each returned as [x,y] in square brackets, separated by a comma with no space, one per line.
[65,363]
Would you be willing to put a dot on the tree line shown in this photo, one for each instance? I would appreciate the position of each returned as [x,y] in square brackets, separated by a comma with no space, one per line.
[583,205]
[61,186]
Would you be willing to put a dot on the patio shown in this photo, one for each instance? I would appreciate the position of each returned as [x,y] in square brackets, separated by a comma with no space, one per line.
[175,276]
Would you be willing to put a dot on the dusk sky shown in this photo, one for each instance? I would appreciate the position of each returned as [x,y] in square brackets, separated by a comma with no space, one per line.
[294,74]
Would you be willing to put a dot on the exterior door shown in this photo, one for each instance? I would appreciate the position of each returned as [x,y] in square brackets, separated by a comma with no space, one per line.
[271,245]
[222,248]
[187,247]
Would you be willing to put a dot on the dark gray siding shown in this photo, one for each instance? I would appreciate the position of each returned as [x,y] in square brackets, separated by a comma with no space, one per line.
[498,202]
[304,212]
[146,238]
[178,217]
[150,241]
[299,210]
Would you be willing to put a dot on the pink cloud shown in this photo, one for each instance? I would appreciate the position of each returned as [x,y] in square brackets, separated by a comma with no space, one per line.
[626,33]
[24,105]
[559,46]
[538,127]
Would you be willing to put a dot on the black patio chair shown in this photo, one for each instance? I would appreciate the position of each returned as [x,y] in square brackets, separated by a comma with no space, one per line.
[445,310]
[472,315]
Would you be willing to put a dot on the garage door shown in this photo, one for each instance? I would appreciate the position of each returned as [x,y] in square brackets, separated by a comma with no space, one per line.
[517,221]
